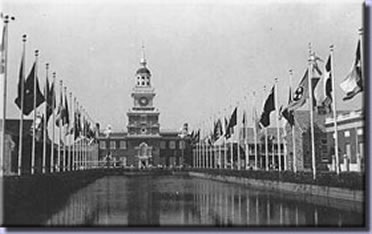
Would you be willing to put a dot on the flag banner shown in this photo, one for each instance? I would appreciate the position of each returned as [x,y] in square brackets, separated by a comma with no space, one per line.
[287,114]
[39,127]
[244,122]
[20,83]
[66,116]
[60,111]
[51,100]
[314,83]
[300,94]
[353,83]
[268,108]
[77,125]
[232,123]
[28,93]
[218,130]
[2,51]
[226,125]
[327,85]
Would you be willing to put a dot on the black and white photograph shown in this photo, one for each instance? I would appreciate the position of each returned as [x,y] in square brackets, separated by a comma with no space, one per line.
[187,114]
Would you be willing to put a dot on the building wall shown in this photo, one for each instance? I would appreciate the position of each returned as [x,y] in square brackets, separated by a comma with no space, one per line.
[348,136]
[165,151]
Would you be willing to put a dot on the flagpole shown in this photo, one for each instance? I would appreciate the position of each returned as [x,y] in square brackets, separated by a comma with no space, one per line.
[310,60]
[238,133]
[69,168]
[219,146]
[266,144]
[59,127]
[246,136]
[83,143]
[224,143]
[334,110]
[294,159]
[64,131]
[52,168]
[277,124]
[255,132]
[361,52]
[231,145]
[77,147]
[5,63]
[207,148]
[20,143]
[45,117]
[34,117]
[73,136]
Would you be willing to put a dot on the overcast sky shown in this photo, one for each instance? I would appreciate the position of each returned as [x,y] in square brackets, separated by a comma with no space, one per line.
[204,55]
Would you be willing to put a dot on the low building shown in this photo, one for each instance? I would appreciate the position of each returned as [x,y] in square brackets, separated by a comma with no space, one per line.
[350,132]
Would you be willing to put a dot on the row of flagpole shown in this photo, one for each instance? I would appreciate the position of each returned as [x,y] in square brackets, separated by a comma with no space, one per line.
[351,85]
[29,98]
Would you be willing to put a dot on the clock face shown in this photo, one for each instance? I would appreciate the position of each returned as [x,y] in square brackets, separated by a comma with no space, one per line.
[143,101]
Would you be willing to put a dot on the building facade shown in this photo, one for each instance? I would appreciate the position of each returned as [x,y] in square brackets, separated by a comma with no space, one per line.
[351,146]
[144,144]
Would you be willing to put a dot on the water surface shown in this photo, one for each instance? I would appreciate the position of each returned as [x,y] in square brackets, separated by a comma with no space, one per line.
[187,201]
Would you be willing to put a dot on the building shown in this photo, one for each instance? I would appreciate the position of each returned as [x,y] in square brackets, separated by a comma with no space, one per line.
[350,132]
[302,143]
[144,144]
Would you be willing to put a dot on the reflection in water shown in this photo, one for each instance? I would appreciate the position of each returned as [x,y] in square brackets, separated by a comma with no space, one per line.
[166,200]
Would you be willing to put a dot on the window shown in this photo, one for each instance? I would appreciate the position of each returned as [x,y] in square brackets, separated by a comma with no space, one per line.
[360,131]
[361,150]
[143,82]
[123,145]
[162,145]
[102,144]
[172,144]
[182,145]
[112,145]
[348,150]
[347,133]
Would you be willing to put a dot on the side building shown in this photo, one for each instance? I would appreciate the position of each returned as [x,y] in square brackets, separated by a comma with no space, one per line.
[351,146]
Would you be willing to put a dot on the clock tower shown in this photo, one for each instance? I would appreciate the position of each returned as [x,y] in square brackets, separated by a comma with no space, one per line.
[143,117]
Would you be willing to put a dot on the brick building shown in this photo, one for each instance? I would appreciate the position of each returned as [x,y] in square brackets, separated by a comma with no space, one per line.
[145,144]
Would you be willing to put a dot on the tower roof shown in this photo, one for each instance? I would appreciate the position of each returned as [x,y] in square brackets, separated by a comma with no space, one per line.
[143,63]
[143,70]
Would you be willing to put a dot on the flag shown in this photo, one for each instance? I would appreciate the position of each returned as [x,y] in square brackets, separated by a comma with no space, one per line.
[353,83]
[232,123]
[287,114]
[51,100]
[327,102]
[60,111]
[28,92]
[2,51]
[66,116]
[244,121]
[197,136]
[77,125]
[218,129]
[20,82]
[268,108]
[300,94]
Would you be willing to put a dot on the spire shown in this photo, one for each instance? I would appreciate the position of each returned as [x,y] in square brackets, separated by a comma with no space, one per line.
[143,59]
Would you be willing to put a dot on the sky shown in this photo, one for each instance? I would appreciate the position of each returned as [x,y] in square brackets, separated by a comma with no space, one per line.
[205,56]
